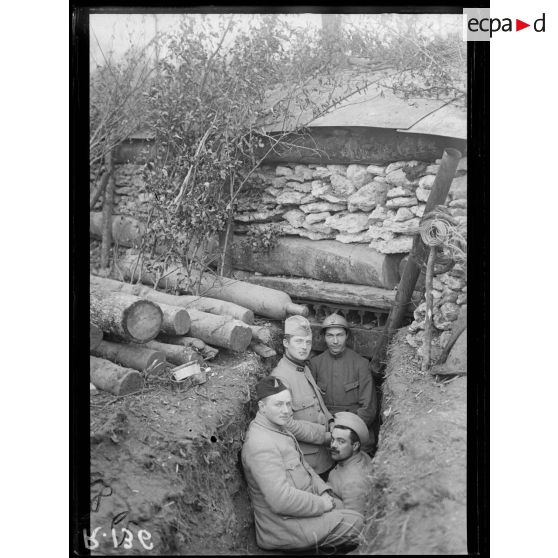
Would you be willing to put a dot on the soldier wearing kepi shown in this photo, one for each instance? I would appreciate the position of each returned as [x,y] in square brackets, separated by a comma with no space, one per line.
[308,403]
[293,507]
[350,478]
[343,376]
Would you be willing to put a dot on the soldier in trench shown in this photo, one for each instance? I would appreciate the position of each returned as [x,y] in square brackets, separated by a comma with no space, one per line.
[343,377]
[307,404]
[294,509]
[350,479]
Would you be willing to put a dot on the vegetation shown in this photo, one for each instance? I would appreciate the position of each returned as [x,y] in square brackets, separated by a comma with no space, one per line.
[210,91]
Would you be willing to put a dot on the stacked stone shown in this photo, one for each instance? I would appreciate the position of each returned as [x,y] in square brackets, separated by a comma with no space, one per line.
[371,204]
[130,194]
[449,293]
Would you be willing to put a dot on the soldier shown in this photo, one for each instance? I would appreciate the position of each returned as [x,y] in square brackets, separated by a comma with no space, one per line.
[308,403]
[293,506]
[343,376]
[350,478]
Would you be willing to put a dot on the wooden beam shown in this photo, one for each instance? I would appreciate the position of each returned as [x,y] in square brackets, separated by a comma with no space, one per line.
[323,291]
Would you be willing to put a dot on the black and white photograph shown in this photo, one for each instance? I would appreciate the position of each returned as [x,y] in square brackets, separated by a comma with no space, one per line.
[278,273]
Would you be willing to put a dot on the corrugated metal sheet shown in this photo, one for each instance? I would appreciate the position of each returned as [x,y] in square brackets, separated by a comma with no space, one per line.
[377,107]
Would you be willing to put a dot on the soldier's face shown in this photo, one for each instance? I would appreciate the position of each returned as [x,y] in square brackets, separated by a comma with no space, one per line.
[336,339]
[277,408]
[340,446]
[298,347]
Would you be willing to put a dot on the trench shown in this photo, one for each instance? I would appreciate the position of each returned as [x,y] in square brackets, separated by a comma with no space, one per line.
[172,461]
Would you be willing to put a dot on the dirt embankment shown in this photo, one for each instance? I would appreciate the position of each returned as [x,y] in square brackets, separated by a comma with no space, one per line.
[164,466]
[418,504]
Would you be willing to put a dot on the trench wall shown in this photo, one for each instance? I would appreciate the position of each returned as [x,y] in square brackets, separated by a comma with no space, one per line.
[379,206]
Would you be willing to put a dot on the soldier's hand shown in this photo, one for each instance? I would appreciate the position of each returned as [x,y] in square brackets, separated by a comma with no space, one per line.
[330,503]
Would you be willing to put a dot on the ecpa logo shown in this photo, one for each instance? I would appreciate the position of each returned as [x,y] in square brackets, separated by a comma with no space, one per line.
[479,26]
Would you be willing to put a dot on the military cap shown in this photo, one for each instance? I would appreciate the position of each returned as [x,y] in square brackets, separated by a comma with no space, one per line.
[355,423]
[335,320]
[297,325]
[270,385]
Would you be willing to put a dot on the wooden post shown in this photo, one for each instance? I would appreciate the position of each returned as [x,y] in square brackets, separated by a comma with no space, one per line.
[108,202]
[427,340]
[438,195]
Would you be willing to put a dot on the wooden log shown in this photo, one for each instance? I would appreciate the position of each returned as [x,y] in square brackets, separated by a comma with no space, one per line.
[221,331]
[127,231]
[324,260]
[95,336]
[261,334]
[128,317]
[176,321]
[340,293]
[188,302]
[438,195]
[138,357]
[115,379]
[262,350]
[176,354]
[261,300]
[207,351]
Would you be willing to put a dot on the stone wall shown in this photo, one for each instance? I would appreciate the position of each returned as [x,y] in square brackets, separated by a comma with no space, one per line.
[367,204]
[131,195]
[376,205]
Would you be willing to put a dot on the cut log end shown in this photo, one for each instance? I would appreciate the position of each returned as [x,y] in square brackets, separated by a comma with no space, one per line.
[181,322]
[240,338]
[130,383]
[143,321]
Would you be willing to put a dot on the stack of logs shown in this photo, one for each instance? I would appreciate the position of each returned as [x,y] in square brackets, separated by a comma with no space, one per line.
[135,330]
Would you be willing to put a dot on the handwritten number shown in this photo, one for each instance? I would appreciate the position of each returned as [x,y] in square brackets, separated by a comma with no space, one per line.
[91,542]
[128,538]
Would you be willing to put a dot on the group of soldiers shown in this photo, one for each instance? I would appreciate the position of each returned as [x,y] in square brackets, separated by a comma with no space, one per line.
[306,453]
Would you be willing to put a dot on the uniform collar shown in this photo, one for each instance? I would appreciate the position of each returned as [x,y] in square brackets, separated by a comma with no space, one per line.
[355,458]
[262,420]
[297,364]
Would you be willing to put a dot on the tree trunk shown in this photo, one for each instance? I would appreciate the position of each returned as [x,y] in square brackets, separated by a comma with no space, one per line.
[324,260]
[126,316]
[438,195]
[322,291]
[176,321]
[220,330]
[189,302]
[133,356]
[176,354]
[107,214]
[115,379]
[267,302]
[95,336]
